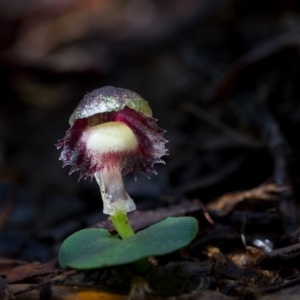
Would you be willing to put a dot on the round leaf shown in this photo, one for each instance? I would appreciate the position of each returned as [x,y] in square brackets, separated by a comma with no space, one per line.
[97,248]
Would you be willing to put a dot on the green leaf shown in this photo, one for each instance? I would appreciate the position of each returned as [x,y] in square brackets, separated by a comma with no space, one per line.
[97,248]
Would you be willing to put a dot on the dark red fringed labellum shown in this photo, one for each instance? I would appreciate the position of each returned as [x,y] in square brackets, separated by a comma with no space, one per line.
[135,114]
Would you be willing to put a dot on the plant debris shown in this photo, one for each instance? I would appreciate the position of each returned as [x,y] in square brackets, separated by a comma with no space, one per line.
[222,77]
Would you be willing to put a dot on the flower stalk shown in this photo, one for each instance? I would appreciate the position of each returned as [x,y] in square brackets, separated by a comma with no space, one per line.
[122,224]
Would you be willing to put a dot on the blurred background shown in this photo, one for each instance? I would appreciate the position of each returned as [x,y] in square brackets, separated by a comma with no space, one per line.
[222,77]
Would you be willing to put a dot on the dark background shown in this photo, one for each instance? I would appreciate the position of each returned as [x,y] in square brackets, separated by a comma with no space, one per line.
[222,77]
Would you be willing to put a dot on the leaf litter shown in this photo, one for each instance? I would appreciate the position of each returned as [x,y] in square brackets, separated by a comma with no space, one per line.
[222,77]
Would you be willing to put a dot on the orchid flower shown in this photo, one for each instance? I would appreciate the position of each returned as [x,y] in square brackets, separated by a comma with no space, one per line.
[112,133]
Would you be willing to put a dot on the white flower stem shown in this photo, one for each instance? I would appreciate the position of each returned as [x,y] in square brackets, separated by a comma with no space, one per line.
[112,189]
[116,201]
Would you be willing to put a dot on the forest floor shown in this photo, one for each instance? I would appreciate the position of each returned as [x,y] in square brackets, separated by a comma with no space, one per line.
[222,77]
